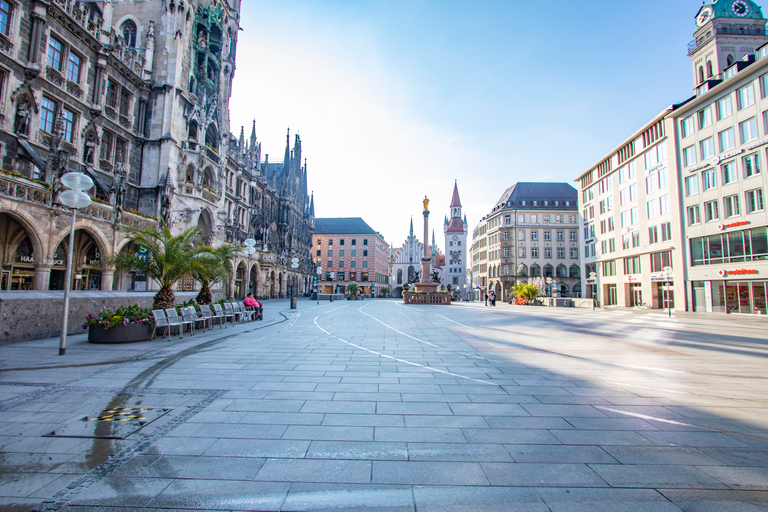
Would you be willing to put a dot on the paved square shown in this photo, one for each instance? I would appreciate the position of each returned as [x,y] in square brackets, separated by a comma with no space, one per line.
[374,405]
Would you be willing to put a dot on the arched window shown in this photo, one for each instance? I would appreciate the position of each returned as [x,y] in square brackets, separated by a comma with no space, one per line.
[549,270]
[129,33]
[190,177]
[701,74]
[562,271]
[563,290]
[192,132]
[729,60]
[535,270]
[522,270]
[212,137]
[573,271]
[399,276]
[208,179]
[710,74]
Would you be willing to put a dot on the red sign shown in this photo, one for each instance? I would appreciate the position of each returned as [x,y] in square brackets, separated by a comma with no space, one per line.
[734,224]
[738,272]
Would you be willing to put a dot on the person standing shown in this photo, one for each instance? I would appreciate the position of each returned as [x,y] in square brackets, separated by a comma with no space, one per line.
[486,299]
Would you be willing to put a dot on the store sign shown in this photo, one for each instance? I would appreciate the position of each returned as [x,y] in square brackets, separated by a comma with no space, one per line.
[658,278]
[737,272]
[753,146]
[27,259]
[726,156]
[722,227]
[703,166]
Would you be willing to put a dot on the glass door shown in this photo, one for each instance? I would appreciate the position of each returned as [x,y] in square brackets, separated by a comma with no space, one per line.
[745,299]
[758,295]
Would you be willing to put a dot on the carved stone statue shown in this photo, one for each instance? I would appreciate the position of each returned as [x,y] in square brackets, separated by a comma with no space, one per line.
[416,277]
[426,204]
[90,145]
[23,113]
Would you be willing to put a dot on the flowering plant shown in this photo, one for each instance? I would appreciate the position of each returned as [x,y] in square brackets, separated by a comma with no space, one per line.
[122,316]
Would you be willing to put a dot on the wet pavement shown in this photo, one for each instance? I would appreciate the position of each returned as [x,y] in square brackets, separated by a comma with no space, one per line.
[373,405]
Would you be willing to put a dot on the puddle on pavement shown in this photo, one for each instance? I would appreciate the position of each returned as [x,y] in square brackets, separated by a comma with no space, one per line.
[110,423]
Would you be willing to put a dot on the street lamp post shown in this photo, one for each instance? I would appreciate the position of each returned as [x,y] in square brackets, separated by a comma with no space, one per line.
[668,278]
[592,277]
[330,274]
[317,288]
[250,248]
[75,198]
[549,287]
[468,284]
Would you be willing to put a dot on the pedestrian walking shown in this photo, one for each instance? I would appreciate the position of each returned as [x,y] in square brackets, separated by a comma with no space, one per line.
[486,299]
[493,298]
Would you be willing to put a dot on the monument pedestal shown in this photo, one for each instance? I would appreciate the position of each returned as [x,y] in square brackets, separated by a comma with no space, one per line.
[426,287]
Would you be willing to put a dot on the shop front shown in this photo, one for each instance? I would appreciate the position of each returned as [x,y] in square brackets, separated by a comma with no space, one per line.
[735,294]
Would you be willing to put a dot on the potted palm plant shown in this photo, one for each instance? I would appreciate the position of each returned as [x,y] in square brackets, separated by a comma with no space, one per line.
[216,269]
[168,259]
[352,289]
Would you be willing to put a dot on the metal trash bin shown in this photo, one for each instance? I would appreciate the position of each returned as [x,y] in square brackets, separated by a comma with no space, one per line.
[293,302]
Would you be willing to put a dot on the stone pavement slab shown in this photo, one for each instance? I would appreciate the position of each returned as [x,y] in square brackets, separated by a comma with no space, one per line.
[332,407]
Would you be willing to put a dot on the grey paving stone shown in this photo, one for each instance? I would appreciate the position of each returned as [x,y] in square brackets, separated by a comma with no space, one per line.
[540,474]
[714,439]
[258,448]
[445,421]
[222,495]
[357,450]
[605,500]
[743,477]
[434,408]
[601,437]
[458,452]
[180,446]
[329,433]
[239,431]
[717,501]
[485,409]
[339,407]
[315,470]
[656,476]
[265,405]
[661,455]
[528,422]
[560,454]
[419,435]
[738,456]
[284,418]
[364,420]
[563,411]
[510,436]
[480,499]
[428,473]
[137,491]
[610,423]
[349,498]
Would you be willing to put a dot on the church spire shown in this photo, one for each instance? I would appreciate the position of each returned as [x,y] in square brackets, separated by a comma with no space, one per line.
[411,226]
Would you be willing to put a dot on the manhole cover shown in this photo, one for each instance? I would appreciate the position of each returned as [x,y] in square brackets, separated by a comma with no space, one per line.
[114,423]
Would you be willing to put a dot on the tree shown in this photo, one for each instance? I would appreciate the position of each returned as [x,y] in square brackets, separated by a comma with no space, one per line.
[352,289]
[168,259]
[216,268]
[526,291]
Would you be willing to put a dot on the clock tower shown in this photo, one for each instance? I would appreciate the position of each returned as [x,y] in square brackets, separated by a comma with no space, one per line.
[726,31]
[455,229]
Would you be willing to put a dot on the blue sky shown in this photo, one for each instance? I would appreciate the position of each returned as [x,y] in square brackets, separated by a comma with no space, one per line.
[395,100]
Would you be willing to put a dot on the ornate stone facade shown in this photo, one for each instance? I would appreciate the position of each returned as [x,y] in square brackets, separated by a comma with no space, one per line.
[136,94]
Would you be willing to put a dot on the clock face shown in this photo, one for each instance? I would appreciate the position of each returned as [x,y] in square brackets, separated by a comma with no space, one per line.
[740,8]
[704,16]
[455,238]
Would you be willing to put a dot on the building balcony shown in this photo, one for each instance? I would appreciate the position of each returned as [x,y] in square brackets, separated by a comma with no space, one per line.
[83,15]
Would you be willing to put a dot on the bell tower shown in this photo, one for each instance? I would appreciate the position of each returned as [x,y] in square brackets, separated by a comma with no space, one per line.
[726,31]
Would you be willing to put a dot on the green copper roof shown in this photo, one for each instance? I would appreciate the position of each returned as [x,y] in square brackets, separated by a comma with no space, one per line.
[739,9]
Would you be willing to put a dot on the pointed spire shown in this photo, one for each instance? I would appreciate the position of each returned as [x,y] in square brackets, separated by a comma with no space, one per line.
[433,242]
[312,205]
[411,225]
[253,133]
[242,137]
[455,201]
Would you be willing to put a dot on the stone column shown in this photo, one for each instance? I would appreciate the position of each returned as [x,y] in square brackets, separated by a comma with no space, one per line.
[36,34]
[42,276]
[425,260]
[107,277]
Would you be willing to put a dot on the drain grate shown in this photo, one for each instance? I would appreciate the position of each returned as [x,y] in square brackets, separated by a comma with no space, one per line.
[114,423]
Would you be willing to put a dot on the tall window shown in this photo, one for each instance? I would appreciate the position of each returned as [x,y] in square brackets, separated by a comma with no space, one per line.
[686,126]
[707,148]
[731,206]
[746,96]
[55,49]
[664,204]
[689,155]
[724,108]
[47,115]
[691,185]
[711,211]
[751,165]
[125,102]
[705,117]
[729,173]
[68,119]
[129,34]
[709,179]
[111,98]
[666,232]
[106,145]
[693,215]
[5,17]
[726,139]
[754,200]
[748,130]
[73,68]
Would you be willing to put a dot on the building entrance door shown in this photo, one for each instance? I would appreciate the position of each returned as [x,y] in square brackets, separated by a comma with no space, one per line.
[635,295]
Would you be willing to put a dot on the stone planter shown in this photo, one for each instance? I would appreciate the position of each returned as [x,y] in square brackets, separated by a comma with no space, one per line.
[119,334]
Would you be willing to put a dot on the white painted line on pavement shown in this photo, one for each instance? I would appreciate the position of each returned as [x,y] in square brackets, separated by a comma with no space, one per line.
[290,323]
[646,417]
[400,332]
[650,368]
[401,360]
[622,384]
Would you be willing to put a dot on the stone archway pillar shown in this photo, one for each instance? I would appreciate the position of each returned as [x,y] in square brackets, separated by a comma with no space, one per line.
[107,277]
[42,276]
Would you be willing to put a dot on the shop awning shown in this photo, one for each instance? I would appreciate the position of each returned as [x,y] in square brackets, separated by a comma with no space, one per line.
[29,152]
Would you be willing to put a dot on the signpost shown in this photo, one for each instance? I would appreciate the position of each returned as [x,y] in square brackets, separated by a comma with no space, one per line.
[317,288]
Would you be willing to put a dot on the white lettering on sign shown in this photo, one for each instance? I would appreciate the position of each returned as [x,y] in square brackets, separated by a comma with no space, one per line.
[27,259]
